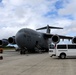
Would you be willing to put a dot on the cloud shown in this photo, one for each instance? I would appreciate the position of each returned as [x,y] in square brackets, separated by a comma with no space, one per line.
[17,14]
[69,9]
[69,30]
[68,14]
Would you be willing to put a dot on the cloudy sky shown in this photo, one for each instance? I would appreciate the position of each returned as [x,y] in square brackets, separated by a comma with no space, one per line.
[17,14]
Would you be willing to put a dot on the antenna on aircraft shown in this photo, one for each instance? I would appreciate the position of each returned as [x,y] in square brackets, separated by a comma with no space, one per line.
[48,28]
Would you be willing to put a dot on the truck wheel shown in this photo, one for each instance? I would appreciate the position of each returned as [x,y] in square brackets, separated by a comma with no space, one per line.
[63,56]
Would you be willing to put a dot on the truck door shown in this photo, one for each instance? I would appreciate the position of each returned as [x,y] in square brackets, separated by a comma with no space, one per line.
[72,50]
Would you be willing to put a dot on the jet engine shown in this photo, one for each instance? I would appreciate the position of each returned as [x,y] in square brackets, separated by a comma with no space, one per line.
[3,42]
[55,39]
[74,40]
[11,40]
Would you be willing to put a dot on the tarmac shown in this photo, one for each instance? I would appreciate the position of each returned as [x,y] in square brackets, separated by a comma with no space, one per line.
[35,64]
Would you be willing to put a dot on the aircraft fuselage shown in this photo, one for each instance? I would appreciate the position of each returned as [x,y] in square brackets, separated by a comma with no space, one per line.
[28,38]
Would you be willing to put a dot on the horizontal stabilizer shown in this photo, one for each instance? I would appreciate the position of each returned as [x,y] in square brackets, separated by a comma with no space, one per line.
[48,28]
[51,27]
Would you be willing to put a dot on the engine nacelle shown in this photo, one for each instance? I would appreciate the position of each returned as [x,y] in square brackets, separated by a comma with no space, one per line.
[55,39]
[3,42]
[11,40]
[74,40]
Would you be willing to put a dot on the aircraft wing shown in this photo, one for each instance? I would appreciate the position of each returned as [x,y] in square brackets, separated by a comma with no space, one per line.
[61,36]
[65,37]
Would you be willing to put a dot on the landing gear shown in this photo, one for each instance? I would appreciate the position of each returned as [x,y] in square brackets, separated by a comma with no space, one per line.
[22,51]
[47,50]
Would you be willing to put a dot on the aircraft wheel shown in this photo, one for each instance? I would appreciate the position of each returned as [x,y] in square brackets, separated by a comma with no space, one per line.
[47,50]
[22,52]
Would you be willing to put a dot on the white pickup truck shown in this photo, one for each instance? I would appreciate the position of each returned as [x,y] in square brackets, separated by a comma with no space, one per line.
[63,50]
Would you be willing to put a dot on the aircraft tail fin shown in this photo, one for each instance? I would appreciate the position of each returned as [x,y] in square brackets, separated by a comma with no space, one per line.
[48,28]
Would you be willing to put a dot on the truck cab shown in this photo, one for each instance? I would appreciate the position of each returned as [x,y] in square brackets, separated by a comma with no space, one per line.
[63,50]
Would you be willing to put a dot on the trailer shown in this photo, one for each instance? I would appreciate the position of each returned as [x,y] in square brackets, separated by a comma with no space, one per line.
[63,50]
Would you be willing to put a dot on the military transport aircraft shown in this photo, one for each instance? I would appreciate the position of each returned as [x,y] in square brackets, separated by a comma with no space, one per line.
[31,40]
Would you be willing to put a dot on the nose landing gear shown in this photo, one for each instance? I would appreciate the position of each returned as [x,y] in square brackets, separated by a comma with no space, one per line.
[23,51]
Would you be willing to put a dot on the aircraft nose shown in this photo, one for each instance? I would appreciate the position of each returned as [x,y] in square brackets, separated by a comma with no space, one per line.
[21,39]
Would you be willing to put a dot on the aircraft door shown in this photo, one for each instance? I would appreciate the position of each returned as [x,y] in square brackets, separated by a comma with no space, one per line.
[37,46]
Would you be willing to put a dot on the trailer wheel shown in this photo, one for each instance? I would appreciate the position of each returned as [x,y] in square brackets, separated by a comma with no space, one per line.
[62,55]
